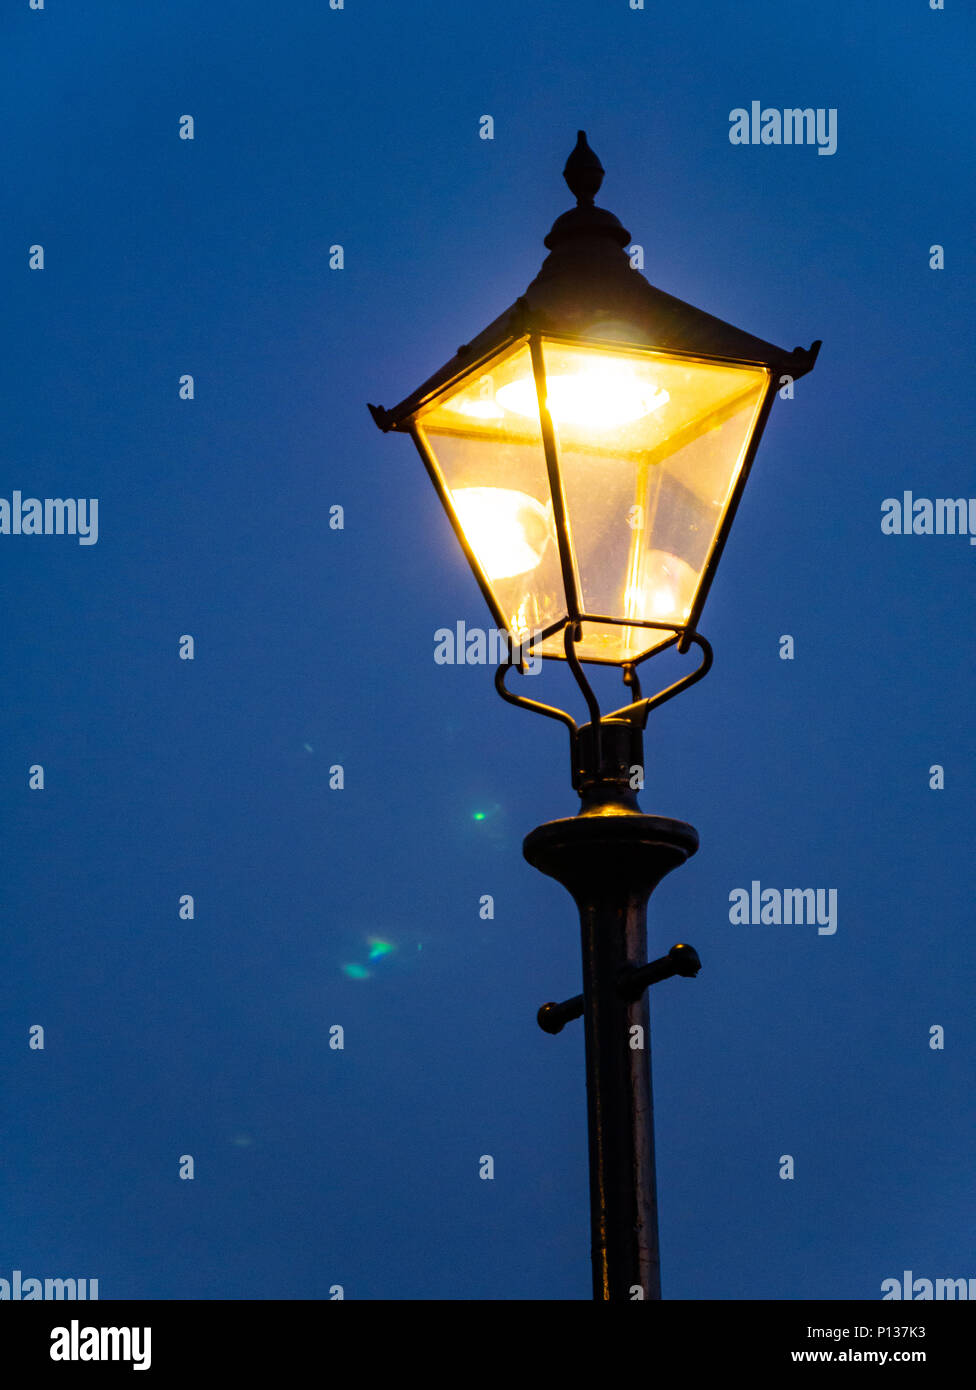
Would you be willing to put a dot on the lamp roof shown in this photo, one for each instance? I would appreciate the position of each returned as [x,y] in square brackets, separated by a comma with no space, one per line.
[587,288]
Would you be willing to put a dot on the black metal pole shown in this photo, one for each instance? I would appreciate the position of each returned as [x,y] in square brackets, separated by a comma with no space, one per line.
[611,857]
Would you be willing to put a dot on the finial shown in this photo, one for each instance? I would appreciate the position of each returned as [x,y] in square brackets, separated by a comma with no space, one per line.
[583,172]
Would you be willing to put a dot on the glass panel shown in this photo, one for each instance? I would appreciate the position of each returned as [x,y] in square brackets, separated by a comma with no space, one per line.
[650,449]
[606,642]
[492,460]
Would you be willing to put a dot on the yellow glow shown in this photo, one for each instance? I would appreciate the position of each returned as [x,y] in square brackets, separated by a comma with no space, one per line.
[481,410]
[507,530]
[665,591]
[602,396]
[650,449]
[483,406]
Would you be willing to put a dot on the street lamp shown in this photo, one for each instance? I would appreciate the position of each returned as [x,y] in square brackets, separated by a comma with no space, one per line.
[590,448]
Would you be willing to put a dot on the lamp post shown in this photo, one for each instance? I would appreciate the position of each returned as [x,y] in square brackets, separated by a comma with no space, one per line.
[590,447]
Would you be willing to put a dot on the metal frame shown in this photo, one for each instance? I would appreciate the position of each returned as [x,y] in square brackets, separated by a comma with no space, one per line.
[550,445]
[519,321]
[407,418]
[522,325]
[635,713]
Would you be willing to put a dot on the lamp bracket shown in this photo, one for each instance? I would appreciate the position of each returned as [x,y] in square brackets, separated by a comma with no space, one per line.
[603,751]
[637,712]
[535,706]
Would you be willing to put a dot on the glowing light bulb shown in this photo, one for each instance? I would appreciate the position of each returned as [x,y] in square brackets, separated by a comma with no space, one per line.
[507,530]
[665,591]
[602,396]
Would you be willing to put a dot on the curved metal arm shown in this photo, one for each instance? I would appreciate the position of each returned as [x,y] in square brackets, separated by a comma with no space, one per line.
[639,711]
[534,705]
[572,635]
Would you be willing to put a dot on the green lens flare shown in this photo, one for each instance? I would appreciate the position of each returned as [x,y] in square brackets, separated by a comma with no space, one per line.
[378,948]
[356,972]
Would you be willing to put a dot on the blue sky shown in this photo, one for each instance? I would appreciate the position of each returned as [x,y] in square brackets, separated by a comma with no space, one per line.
[314,647]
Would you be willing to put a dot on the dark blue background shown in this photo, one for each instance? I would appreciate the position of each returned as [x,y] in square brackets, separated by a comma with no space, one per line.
[315,647]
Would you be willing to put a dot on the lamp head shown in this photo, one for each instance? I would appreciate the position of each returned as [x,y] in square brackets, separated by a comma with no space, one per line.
[590,447]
